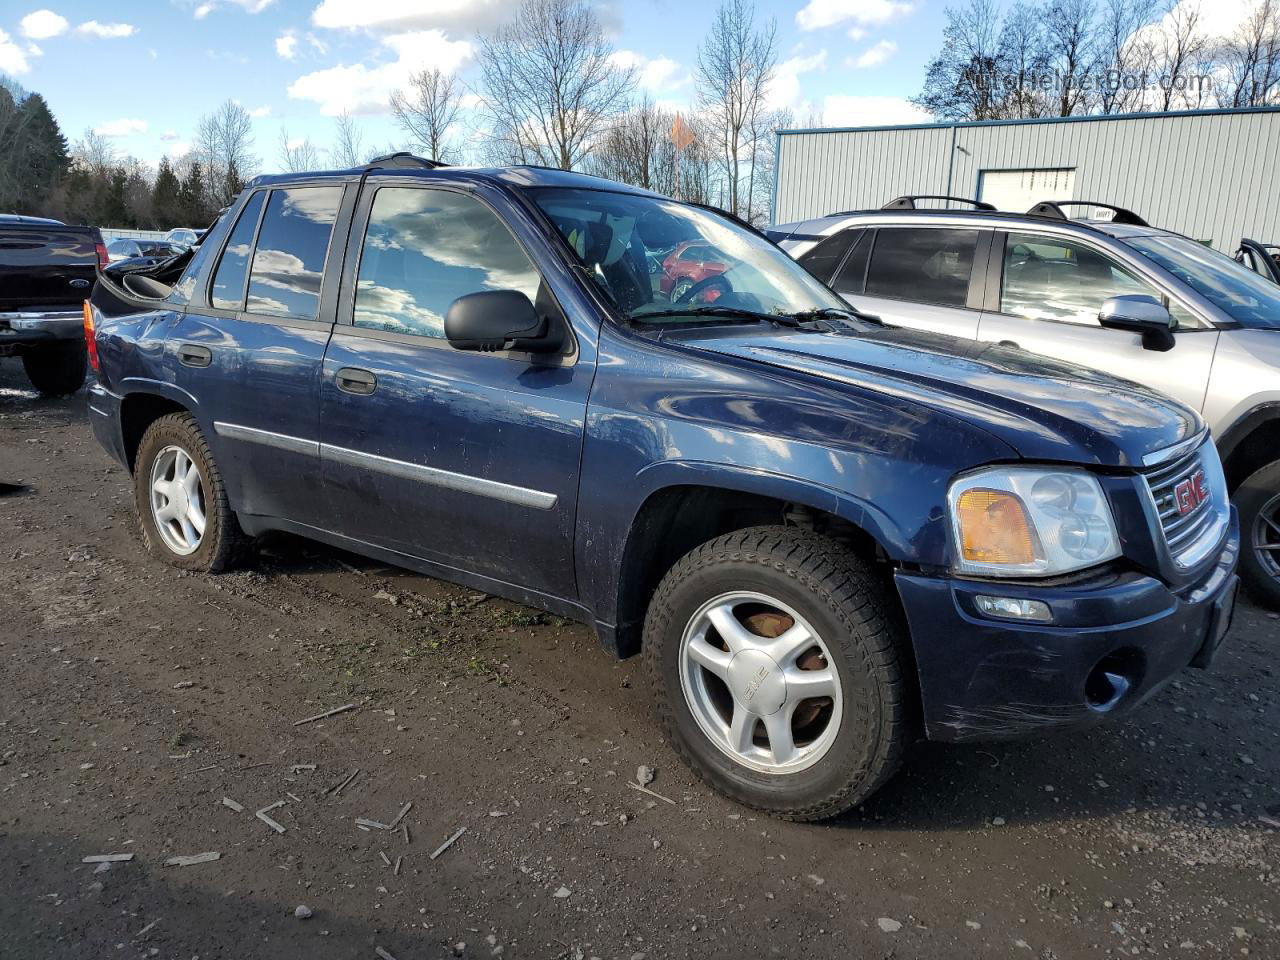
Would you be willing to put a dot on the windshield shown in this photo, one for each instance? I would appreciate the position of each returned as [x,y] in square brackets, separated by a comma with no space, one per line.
[1246,297]
[659,257]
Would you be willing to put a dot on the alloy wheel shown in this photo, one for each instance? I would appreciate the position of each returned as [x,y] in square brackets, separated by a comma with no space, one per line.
[178,500]
[760,682]
[1266,537]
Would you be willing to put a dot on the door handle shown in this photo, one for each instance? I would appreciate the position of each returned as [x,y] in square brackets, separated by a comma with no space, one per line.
[1010,343]
[357,381]
[194,355]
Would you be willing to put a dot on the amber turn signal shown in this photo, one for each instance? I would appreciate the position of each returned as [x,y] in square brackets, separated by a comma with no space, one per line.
[994,527]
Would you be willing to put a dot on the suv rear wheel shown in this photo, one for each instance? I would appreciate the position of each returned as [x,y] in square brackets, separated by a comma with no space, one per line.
[57,369]
[1258,500]
[182,504]
[777,671]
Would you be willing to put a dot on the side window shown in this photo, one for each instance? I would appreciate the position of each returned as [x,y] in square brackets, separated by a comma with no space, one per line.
[823,260]
[927,266]
[853,275]
[1047,278]
[227,290]
[423,249]
[288,262]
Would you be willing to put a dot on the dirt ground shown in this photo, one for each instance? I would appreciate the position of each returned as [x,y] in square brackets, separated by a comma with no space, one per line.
[135,698]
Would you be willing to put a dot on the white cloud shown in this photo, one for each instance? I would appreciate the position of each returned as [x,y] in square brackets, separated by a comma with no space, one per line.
[108,31]
[874,56]
[43,24]
[318,45]
[843,110]
[817,14]
[262,111]
[248,6]
[169,135]
[360,88]
[654,75]
[286,46]
[785,89]
[203,11]
[464,16]
[856,33]
[179,148]
[121,128]
[12,59]
[33,50]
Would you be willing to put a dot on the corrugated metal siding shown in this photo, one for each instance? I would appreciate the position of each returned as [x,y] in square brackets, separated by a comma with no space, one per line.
[1213,176]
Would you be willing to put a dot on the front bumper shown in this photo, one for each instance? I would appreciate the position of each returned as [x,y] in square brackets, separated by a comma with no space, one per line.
[1114,640]
[35,327]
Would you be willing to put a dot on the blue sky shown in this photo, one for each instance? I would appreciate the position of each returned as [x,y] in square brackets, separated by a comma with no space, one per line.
[143,73]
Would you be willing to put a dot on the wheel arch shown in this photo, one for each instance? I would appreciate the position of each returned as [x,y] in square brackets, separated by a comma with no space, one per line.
[696,503]
[1250,443]
[141,407]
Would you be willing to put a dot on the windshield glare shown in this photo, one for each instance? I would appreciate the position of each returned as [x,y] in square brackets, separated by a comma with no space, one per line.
[1246,297]
[651,255]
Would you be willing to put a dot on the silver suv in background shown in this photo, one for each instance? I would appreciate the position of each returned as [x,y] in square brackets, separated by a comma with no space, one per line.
[1112,293]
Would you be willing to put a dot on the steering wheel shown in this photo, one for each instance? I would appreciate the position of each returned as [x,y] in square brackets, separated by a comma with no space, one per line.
[705,283]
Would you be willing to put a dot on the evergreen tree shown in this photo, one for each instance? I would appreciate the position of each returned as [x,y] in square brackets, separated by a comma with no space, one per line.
[166,201]
[191,198]
[113,211]
[33,154]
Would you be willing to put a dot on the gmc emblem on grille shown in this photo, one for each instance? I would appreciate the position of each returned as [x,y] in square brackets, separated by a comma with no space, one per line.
[1190,493]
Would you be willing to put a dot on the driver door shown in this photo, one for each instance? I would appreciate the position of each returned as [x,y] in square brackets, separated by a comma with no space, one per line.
[1050,291]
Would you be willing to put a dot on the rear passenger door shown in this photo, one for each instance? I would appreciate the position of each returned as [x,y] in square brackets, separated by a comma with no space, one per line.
[468,460]
[250,353]
[923,278]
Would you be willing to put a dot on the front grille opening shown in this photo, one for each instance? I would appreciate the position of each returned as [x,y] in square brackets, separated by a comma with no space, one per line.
[1114,678]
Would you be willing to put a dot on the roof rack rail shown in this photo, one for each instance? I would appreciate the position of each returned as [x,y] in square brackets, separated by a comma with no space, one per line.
[909,202]
[403,159]
[1053,210]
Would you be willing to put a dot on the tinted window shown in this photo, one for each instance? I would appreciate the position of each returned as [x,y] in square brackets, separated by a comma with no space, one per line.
[824,259]
[1046,278]
[425,248]
[227,290]
[853,275]
[928,266]
[288,262]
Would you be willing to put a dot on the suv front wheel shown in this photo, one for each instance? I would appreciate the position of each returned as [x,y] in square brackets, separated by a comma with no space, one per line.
[777,671]
[1258,500]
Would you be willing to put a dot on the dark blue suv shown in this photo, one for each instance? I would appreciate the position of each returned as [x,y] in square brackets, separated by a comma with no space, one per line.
[826,536]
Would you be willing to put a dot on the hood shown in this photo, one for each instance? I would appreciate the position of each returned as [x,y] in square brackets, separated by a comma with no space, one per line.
[1042,408]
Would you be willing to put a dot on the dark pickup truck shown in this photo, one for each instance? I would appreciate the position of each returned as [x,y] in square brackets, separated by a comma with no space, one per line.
[827,536]
[46,273]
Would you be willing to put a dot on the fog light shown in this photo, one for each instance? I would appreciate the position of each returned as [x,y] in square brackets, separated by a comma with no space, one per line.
[1012,608]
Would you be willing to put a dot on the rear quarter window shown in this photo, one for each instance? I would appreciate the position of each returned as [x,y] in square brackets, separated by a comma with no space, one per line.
[922,265]
[288,261]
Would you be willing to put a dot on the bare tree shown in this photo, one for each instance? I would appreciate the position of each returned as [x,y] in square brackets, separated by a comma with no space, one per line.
[550,87]
[1181,47]
[1251,59]
[348,147]
[1126,51]
[428,110]
[961,81]
[224,146]
[637,149]
[94,153]
[297,156]
[735,67]
[1021,58]
[1069,52]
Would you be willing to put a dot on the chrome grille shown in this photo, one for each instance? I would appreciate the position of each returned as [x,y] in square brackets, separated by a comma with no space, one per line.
[1190,536]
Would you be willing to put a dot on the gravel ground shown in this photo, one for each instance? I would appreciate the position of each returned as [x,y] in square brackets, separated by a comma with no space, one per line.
[136,698]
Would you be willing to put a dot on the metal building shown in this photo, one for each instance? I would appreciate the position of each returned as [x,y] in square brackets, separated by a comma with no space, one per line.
[1211,174]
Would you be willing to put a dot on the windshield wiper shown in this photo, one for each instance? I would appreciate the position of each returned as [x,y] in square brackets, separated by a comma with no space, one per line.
[837,313]
[795,321]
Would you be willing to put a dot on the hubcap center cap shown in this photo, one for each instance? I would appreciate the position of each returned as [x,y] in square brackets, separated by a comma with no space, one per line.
[756,682]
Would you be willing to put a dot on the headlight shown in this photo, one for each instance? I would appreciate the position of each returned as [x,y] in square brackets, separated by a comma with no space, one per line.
[1029,521]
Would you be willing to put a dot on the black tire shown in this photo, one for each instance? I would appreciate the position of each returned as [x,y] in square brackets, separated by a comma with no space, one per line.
[58,369]
[832,589]
[1256,494]
[223,542]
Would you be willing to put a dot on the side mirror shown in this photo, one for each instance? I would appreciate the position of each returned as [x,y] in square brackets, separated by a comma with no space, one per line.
[498,320]
[1139,313]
